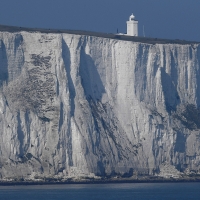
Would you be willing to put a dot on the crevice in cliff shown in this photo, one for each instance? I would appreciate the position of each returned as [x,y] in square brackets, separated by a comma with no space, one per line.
[174,70]
[3,64]
[61,116]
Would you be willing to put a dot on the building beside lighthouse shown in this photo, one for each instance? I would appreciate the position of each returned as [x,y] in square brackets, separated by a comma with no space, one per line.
[132,26]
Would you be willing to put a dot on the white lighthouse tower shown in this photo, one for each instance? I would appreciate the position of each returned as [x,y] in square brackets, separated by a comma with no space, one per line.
[132,26]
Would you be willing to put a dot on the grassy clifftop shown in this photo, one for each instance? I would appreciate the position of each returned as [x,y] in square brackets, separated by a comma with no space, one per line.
[98,34]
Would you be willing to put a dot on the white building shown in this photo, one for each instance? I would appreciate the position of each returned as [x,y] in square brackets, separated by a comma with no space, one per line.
[132,26]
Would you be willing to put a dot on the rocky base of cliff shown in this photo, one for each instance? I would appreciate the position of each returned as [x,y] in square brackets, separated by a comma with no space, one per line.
[99,180]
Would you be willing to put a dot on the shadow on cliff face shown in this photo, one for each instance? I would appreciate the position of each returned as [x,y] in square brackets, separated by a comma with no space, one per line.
[180,143]
[170,92]
[90,78]
[189,116]
[18,42]
[180,148]
[3,64]
[67,63]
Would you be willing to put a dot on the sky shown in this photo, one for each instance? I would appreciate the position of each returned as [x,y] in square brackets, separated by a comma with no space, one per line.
[169,19]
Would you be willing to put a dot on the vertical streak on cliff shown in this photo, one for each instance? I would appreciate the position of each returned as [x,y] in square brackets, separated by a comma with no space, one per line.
[20,135]
[197,59]
[3,63]
[67,64]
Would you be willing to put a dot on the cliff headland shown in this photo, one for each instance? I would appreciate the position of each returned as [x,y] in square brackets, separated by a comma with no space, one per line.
[78,105]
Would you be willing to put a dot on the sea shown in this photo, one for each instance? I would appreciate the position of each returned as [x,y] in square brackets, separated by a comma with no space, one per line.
[126,191]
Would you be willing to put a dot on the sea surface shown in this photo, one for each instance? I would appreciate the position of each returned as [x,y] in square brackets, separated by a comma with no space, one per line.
[141,191]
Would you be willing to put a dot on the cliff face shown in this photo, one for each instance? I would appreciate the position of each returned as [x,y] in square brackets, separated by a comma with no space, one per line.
[73,105]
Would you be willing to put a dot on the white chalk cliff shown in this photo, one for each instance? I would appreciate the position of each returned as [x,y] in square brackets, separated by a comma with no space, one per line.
[77,105]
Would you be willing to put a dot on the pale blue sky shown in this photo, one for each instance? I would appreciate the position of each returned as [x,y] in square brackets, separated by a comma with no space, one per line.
[173,19]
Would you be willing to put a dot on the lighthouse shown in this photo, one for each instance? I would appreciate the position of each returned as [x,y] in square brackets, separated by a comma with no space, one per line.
[132,26]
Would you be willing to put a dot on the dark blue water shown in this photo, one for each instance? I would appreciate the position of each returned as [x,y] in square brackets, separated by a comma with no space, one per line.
[133,191]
